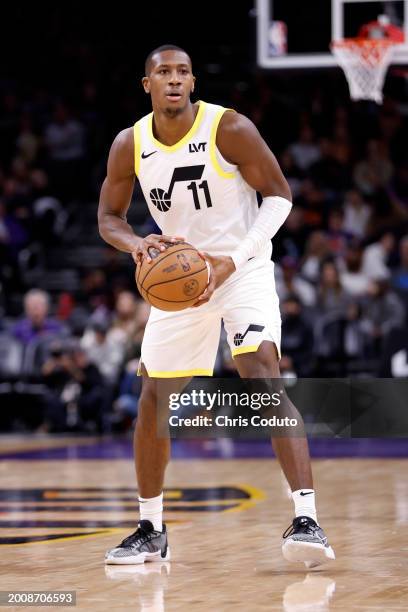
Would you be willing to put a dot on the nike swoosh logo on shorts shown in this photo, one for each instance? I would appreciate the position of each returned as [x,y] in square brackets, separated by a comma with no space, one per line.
[145,155]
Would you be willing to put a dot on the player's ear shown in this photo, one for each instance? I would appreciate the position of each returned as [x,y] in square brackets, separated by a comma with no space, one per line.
[193,85]
[146,84]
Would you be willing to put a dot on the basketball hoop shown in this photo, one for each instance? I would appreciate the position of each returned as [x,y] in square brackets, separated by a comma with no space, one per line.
[365,62]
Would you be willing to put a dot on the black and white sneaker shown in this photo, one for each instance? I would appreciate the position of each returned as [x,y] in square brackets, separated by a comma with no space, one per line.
[145,544]
[306,542]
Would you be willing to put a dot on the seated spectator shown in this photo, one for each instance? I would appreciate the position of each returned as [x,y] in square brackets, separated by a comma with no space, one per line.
[337,237]
[376,256]
[103,350]
[65,140]
[331,296]
[400,276]
[382,310]
[305,151]
[316,251]
[297,336]
[77,394]
[124,323]
[289,282]
[375,170]
[352,277]
[36,322]
[356,214]
[328,172]
[291,241]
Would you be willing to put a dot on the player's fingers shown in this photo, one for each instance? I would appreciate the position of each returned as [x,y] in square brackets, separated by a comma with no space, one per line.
[171,238]
[144,252]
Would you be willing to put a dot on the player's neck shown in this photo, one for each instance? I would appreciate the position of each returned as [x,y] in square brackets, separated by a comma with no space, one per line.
[169,130]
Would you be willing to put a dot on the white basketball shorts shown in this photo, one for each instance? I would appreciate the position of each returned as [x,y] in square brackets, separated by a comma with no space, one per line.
[185,343]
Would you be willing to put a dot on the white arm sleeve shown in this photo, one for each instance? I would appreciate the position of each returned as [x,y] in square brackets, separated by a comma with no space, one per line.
[271,216]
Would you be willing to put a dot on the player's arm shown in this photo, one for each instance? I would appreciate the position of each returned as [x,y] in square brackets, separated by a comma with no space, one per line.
[240,143]
[115,198]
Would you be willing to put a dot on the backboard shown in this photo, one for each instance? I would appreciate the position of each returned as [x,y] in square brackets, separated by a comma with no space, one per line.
[312,25]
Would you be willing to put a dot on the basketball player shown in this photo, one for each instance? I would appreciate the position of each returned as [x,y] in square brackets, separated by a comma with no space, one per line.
[200,166]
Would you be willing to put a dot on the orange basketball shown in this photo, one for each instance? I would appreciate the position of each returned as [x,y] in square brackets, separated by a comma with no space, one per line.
[174,279]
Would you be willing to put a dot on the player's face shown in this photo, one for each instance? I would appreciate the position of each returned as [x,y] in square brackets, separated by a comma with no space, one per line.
[170,81]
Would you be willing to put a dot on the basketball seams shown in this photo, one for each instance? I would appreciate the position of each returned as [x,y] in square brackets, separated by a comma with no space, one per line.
[192,300]
[175,279]
[154,264]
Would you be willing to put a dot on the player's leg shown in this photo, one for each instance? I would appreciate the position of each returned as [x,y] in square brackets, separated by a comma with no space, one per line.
[305,540]
[292,451]
[174,349]
[252,321]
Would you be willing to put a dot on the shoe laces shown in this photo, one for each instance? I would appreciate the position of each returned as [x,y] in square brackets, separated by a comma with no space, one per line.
[301,524]
[140,536]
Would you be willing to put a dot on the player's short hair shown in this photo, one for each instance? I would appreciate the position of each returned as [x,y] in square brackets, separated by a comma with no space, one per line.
[159,50]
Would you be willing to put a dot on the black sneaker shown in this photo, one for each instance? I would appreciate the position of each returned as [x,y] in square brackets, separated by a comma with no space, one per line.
[145,544]
[305,541]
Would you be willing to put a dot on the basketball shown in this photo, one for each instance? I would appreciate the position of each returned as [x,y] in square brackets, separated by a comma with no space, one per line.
[174,279]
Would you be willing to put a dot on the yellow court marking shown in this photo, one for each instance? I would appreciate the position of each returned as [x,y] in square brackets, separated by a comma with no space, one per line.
[257,495]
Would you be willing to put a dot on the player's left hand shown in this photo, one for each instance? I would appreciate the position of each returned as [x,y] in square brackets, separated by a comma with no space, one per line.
[221,267]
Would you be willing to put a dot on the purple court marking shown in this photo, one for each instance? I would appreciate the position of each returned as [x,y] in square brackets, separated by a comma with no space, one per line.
[121,448]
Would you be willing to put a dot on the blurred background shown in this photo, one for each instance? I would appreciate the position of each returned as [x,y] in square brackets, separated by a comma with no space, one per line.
[71,321]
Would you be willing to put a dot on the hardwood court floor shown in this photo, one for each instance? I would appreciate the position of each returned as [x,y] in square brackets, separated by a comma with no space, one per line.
[225,521]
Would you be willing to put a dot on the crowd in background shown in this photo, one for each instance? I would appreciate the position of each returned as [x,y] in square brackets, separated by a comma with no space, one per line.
[341,260]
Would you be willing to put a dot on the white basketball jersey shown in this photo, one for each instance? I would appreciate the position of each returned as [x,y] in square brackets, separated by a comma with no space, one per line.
[191,190]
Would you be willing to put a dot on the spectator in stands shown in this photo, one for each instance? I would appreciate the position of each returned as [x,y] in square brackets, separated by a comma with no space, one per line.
[289,282]
[77,394]
[305,151]
[376,257]
[65,141]
[103,350]
[398,191]
[382,310]
[337,237]
[328,172]
[36,322]
[297,336]
[400,276]
[357,214]
[375,170]
[292,240]
[332,299]
[352,277]
[316,251]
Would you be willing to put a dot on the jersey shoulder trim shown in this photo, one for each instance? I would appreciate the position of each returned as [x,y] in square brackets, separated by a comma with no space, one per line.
[136,140]
[170,149]
[213,144]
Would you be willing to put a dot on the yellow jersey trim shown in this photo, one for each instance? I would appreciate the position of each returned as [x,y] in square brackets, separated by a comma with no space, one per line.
[136,140]
[213,143]
[185,139]
[245,349]
[180,373]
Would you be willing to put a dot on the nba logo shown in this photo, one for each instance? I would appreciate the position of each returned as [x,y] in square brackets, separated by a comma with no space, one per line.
[277,38]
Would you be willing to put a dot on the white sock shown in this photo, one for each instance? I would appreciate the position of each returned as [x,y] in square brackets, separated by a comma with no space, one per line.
[305,503]
[151,509]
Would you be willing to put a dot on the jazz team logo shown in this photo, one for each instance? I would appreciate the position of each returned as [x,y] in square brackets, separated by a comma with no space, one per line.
[239,338]
[161,198]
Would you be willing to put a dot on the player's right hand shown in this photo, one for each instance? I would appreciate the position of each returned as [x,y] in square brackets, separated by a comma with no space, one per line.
[157,241]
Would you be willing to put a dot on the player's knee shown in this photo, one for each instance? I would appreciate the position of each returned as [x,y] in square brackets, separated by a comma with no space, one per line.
[261,364]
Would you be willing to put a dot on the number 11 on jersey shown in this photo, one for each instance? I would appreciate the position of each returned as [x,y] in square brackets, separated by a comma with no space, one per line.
[204,186]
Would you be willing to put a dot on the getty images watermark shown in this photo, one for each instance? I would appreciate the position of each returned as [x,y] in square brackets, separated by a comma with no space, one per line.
[202,401]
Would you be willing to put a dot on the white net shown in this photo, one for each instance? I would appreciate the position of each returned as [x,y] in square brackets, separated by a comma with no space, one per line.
[365,62]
